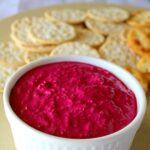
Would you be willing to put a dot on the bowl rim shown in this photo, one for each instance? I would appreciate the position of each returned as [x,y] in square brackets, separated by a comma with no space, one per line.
[15,76]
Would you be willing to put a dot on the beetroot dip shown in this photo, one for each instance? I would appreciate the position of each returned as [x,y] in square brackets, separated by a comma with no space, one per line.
[73,100]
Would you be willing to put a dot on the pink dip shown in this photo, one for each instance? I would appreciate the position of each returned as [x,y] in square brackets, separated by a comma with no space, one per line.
[73,100]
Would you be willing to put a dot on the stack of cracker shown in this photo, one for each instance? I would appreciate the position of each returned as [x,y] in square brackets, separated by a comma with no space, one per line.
[110,33]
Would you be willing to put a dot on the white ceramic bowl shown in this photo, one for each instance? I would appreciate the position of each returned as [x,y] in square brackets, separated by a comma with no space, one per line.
[28,138]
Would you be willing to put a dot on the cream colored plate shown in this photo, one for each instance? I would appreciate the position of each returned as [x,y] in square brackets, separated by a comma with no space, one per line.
[141,141]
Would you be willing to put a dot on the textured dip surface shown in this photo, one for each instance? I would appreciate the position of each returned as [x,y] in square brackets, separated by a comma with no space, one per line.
[73,100]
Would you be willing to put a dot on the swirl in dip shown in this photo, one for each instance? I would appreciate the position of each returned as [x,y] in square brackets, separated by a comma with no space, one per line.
[73,100]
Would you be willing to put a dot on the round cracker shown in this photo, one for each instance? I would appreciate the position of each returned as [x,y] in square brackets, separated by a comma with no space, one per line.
[116,50]
[88,37]
[75,48]
[10,55]
[123,34]
[104,28]
[135,45]
[144,64]
[140,19]
[19,32]
[31,56]
[68,15]
[37,49]
[44,31]
[109,14]
[139,76]
[143,38]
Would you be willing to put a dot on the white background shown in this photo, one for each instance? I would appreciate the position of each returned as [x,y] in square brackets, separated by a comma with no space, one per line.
[10,7]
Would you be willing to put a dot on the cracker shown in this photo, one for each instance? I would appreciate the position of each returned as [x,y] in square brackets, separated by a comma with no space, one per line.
[31,56]
[10,55]
[37,49]
[68,15]
[19,32]
[43,31]
[88,37]
[143,39]
[135,45]
[140,19]
[75,48]
[139,76]
[109,14]
[144,64]
[116,50]
[104,28]
[4,75]
[123,34]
